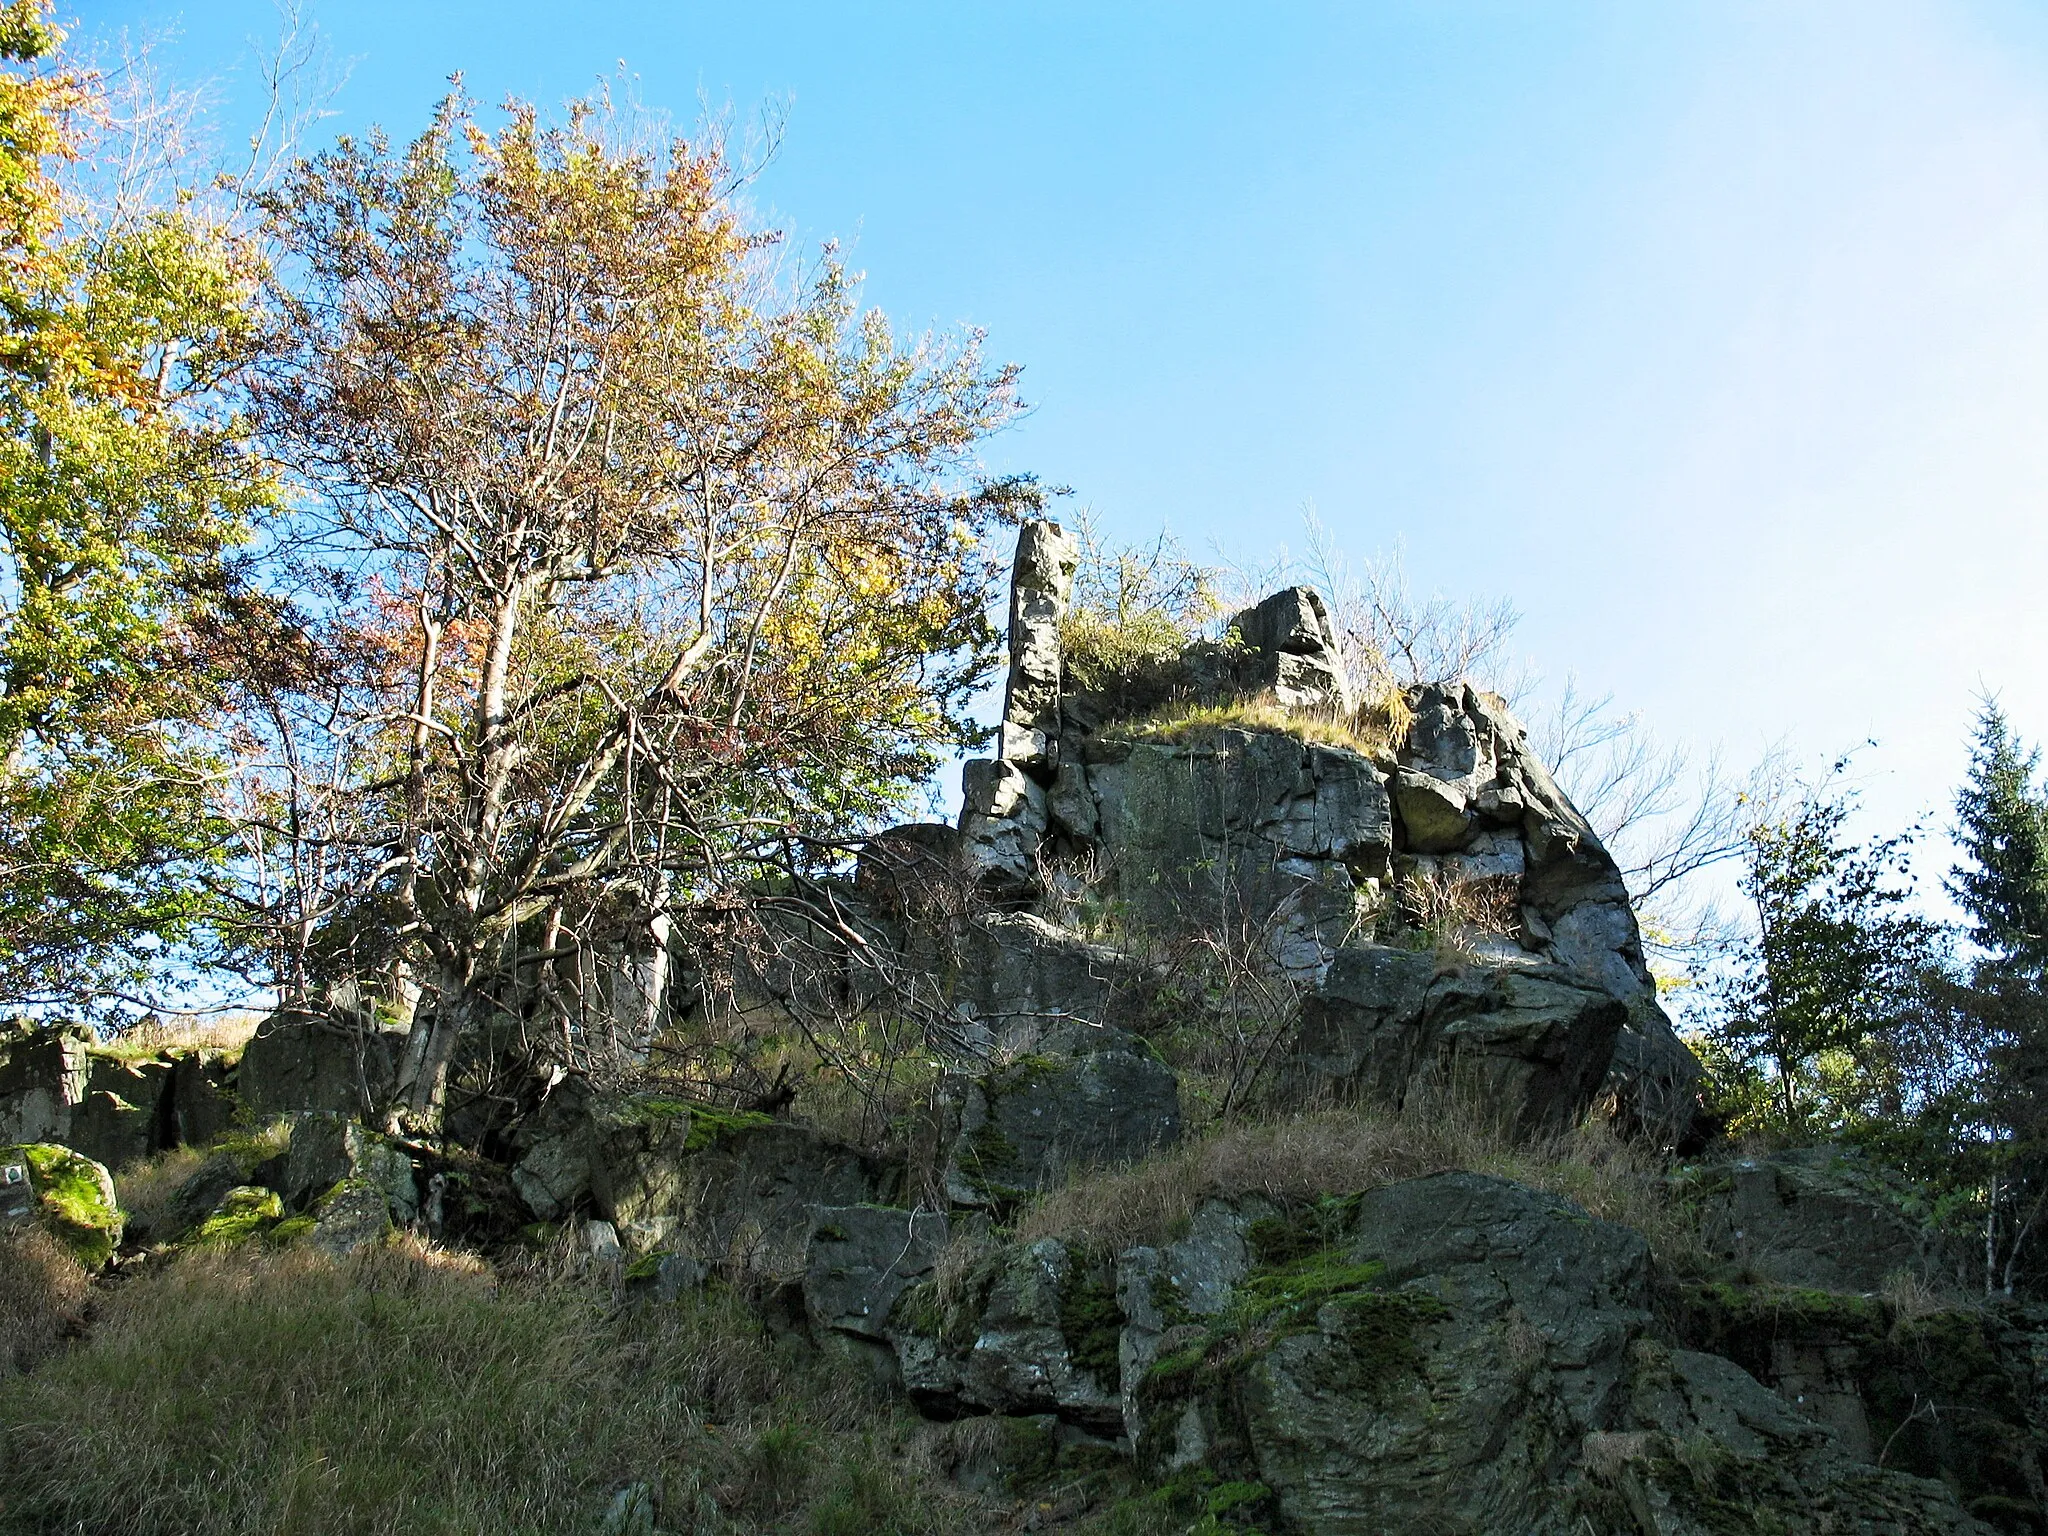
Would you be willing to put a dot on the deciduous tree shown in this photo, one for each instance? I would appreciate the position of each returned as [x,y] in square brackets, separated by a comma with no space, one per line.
[123,483]
[674,567]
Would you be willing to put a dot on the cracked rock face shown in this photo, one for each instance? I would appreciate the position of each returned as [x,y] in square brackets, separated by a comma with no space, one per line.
[1041,579]
[1287,842]
[1084,1097]
[1455,1355]
[1294,848]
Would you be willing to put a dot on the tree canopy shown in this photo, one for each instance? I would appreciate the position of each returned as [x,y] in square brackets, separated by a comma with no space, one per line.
[125,480]
[671,566]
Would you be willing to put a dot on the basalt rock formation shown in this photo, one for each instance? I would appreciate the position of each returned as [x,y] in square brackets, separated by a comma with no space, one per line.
[1314,845]
[1454,1353]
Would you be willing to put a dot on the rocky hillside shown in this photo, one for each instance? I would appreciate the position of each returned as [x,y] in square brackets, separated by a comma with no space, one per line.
[1456,1260]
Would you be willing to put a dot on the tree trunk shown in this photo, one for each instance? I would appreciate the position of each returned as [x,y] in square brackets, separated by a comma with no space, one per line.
[437,1025]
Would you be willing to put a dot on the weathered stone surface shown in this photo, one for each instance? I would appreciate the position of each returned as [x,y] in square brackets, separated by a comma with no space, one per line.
[111,1129]
[329,1149]
[1459,1356]
[1043,1339]
[1532,1042]
[73,1198]
[1041,578]
[736,1193]
[202,1098]
[1453,1393]
[1867,1372]
[1709,1450]
[1816,1217]
[243,1212]
[341,1064]
[551,1165]
[1020,976]
[1002,825]
[861,1259]
[1435,816]
[1362,1030]
[355,1214]
[1163,1292]
[1292,652]
[1245,832]
[911,871]
[1087,1096]
[44,1075]
[112,1106]
[201,1194]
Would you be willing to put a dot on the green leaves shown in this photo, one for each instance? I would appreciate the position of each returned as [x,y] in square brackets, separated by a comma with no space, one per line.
[1805,1026]
[124,482]
[2002,826]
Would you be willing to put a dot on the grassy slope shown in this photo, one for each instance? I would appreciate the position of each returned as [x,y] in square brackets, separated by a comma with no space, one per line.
[417,1390]
[412,1390]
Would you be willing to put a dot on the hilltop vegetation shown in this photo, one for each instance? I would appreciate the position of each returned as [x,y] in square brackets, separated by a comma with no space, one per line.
[481,596]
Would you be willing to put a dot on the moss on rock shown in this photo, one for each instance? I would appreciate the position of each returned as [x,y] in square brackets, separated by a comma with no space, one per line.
[75,1199]
[1090,1320]
[244,1212]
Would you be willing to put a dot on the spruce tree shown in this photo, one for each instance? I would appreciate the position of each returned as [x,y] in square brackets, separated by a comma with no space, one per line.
[2002,825]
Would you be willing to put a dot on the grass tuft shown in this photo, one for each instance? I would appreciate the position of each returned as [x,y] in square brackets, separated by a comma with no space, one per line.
[42,1298]
[1348,1150]
[1370,731]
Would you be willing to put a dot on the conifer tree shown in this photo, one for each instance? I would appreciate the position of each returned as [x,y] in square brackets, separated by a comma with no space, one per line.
[2002,825]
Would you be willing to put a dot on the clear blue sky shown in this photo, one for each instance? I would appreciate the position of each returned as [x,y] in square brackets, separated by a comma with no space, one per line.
[1715,335]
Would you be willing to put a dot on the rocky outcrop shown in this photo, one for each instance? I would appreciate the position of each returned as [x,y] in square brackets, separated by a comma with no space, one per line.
[1288,648]
[336,1063]
[1453,1354]
[1083,1097]
[1822,1218]
[1032,1332]
[1281,843]
[1453,836]
[1021,979]
[1707,1449]
[1429,1357]
[328,1151]
[109,1103]
[726,1190]
[1953,1393]
[1039,584]
[44,1077]
[1531,1042]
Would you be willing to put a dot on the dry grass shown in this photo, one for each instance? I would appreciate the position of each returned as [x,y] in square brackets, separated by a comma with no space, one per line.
[1371,731]
[143,1189]
[214,1031]
[1910,1297]
[42,1299]
[411,1389]
[1342,1151]
[1456,915]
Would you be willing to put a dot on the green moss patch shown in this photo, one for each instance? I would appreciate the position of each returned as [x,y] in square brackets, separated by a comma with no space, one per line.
[1197,1502]
[1090,1320]
[708,1124]
[244,1212]
[75,1197]
[290,1230]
